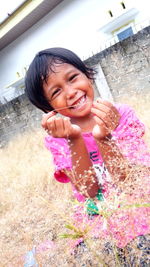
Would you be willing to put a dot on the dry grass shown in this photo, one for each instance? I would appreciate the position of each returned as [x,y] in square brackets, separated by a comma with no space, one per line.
[28,196]
[34,208]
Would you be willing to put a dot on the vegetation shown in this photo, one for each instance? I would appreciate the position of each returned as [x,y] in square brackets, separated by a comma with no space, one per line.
[39,213]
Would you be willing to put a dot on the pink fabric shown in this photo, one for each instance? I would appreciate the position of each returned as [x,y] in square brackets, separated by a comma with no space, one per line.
[124,225]
[120,228]
[128,135]
[60,151]
[120,219]
[128,224]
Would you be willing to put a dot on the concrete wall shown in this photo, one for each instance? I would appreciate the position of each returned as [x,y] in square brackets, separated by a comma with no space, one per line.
[16,117]
[126,67]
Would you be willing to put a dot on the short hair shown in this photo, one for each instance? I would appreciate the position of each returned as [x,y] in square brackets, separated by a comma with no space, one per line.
[40,68]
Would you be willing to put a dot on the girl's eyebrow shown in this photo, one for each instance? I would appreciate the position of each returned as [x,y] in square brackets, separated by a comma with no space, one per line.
[74,70]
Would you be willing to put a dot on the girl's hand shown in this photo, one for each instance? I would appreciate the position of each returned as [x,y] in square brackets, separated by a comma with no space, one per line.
[59,127]
[106,116]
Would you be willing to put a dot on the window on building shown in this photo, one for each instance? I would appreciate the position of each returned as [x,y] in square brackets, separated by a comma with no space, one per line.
[125,34]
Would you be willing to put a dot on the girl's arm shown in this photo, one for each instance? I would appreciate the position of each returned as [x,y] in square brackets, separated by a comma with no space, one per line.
[82,175]
[116,164]
[107,118]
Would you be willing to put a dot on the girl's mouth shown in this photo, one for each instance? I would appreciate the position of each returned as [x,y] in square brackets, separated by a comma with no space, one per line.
[79,103]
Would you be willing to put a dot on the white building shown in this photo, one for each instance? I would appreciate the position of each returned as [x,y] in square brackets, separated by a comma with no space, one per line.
[84,26]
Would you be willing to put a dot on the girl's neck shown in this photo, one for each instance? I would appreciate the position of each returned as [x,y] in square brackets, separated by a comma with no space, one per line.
[85,123]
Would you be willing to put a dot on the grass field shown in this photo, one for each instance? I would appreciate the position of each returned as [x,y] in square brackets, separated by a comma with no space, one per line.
[34,208]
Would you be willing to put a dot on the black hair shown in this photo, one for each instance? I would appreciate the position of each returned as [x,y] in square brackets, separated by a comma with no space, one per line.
[40,68]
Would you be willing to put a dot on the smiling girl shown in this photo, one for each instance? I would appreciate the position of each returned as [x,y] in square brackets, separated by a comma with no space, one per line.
[94,143]
[58,81]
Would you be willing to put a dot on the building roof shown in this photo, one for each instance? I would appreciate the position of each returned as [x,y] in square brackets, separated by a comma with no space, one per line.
[24,17]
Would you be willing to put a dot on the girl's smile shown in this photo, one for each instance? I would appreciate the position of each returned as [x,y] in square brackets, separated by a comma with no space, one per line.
[69,91]
[80,103]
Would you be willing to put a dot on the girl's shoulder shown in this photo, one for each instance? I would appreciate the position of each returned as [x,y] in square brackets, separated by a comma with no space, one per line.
[124,109]
[129,124]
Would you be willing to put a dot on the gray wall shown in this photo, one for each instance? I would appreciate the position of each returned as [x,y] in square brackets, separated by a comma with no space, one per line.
[126,66]
[16,117]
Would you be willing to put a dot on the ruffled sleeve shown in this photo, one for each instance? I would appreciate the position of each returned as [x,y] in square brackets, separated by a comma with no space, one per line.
[61,157]
[129,135]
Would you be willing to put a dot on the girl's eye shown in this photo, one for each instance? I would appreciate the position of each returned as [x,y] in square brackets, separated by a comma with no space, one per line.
[54,94]
[72,77]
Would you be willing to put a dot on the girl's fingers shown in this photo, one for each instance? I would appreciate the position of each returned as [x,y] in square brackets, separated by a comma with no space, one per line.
[46,117]
[59,124]
[107,105]
[103,116]
[104,129]
[58,127]
[50,125]
[106,112]
[67,126]
[55,126]
[109,121]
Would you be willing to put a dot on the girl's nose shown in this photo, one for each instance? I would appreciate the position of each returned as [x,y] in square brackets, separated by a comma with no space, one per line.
[70,92]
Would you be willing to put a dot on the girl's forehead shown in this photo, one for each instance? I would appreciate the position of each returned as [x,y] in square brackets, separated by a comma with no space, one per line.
[63,67]
[59,71]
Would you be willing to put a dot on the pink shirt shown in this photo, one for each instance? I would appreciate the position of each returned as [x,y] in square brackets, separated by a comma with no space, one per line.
[128,136]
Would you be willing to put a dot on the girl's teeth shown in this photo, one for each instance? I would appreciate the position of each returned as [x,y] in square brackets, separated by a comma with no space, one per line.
[80,102]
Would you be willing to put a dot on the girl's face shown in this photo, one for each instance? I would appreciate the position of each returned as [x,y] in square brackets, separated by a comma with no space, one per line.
[69,91]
